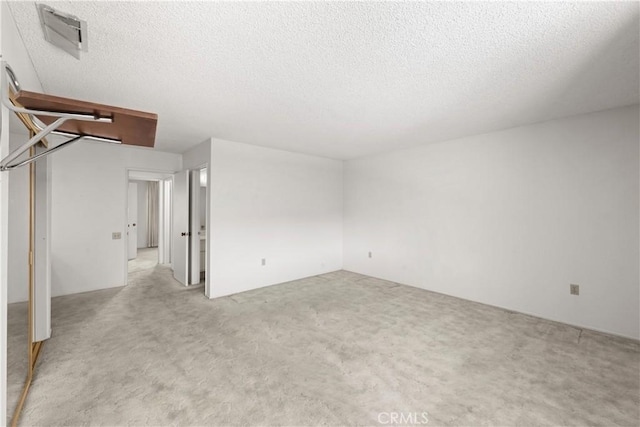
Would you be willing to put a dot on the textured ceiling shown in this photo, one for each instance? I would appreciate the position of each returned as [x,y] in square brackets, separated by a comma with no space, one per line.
[343,80]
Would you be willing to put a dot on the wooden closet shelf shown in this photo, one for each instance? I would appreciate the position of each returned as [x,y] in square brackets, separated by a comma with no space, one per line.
[130,126]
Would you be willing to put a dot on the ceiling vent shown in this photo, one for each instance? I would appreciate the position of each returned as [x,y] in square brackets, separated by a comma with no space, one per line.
[63,30]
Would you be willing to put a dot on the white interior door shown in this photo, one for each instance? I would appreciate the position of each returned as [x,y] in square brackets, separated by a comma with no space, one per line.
[164,218]
[194,228]
[180,248]
[168,223]
[132,221]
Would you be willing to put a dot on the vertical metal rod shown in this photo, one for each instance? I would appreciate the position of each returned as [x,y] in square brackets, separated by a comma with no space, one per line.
[32,246]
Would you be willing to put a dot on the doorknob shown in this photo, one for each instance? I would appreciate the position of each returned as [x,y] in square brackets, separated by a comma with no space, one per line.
[183,234]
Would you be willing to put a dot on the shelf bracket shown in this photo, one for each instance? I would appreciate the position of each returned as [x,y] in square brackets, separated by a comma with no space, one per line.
[9,82]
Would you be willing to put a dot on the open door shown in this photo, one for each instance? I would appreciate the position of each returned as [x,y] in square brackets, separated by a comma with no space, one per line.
[132,221]
[164,236]
[180,248]
[194,228]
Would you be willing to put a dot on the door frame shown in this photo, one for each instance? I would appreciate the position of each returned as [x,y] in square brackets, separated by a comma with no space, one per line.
[141,174]
[132,223]
[195,232]
[180,217]
[165,241]
[207,254]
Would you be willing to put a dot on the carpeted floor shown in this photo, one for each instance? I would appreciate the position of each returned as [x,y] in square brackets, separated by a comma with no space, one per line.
[336,349]
[147,258]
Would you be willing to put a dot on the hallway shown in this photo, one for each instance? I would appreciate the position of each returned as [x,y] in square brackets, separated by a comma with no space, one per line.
[147,258]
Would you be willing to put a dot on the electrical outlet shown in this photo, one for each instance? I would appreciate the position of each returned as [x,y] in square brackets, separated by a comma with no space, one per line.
[116,235]
[264,261]
[574,289]
[369,254]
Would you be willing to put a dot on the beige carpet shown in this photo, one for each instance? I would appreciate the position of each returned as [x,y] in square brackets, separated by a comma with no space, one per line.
[147,258]
[337,349]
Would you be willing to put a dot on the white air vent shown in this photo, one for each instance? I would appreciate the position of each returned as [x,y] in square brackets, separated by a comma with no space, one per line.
[63,30]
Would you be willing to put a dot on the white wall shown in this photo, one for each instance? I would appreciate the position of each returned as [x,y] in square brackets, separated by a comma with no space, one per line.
[193,159]
[203,208]
[197,156]
[89,203]
[142,222]
[272,204]
[11,250]
[4,240]
[18,260]
[510,219]
[14,53]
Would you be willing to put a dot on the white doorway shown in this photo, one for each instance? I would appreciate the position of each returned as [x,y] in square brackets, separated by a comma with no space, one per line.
[199,220]
[132,221]
[181,231]
[149,210]
[190,215]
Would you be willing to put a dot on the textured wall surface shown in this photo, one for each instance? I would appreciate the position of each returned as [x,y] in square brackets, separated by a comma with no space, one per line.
[510,219]
[285,208]
[90,193]
[343,80]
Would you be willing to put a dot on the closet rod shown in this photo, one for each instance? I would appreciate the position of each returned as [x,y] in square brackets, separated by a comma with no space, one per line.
[6,163]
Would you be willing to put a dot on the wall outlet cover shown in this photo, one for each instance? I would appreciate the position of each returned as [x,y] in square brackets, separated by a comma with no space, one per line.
[574,289]
[116,235]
